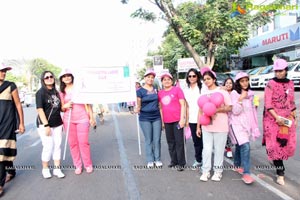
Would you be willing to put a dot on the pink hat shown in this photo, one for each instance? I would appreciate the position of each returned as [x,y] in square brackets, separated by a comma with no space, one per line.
[206,69]
[241,75]
[65,71]
[280,64]
[148,72]
[166,74]
[2,67]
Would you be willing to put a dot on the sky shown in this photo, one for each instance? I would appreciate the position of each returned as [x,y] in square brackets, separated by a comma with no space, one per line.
[74,33]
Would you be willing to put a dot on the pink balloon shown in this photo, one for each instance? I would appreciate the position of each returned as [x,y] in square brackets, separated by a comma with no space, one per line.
[204,120]
[202,100]
[217,98]
[209,109]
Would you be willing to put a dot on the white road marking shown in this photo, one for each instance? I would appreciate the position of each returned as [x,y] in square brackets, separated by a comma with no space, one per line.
[265,184]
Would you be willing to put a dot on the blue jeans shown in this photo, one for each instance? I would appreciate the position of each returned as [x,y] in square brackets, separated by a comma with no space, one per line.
[152,133]
[242,157]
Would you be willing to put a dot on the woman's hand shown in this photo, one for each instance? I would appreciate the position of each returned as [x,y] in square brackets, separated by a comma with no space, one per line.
[279,121]
[198,132]
[68,105]
[47,131]
[21,128]
[93,122]
[181,123]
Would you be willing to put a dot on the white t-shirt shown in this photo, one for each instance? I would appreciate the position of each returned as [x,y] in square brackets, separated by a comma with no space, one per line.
[191,96]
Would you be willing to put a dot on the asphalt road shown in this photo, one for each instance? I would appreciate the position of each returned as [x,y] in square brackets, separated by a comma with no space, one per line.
[120,171]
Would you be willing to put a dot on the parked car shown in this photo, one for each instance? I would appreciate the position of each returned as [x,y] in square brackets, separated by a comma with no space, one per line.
[257,81]
[255,71]
[294,73]
[221,77]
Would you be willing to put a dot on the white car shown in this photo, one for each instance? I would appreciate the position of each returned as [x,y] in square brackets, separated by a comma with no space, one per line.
[294,73]
[257,81]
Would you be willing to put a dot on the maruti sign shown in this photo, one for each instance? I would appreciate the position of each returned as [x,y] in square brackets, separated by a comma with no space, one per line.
[285,37]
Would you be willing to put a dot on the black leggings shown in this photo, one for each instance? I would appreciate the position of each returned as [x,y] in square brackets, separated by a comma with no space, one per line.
[279,167]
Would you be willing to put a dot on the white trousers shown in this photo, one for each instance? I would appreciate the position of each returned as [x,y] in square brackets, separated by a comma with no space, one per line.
[51,144]
[216,141]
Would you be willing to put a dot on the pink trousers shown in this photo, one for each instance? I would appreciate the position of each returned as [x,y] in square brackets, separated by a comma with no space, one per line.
[79,144]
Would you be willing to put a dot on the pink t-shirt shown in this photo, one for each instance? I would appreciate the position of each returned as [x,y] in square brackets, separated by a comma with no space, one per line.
[170,104]
[79,114]
[220,123]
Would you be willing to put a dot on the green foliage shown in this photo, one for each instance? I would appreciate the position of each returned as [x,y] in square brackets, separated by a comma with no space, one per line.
[39,65]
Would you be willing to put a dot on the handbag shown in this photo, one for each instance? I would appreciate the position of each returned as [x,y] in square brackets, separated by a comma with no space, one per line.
[187,132]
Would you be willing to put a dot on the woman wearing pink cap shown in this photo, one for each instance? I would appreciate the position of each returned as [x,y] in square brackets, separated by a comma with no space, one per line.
[81,119]
[279,118]
[243,125]
[172,104]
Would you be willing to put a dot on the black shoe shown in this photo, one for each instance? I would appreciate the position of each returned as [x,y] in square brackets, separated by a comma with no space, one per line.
[171,165]
[180,168]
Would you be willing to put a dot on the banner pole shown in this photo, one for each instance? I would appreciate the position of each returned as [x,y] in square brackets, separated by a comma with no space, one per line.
[67,135]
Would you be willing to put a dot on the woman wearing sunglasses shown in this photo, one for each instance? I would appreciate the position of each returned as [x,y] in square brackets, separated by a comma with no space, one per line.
[49,124]
[192,93]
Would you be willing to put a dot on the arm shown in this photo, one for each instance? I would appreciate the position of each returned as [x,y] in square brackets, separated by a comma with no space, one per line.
[138,105]
[187,114]
[44,121]
[182,113]
[91,115]
[198,131]
[161,115]
[19,108]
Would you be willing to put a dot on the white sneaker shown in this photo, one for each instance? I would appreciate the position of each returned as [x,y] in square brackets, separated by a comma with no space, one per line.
[229,154]
[217,176]
[46,173]
[196,165]
[58,173]
[150,165]
[205,176]
[158,164]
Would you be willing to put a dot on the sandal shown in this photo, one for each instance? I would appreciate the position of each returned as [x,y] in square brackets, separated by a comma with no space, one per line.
[1,191]
[9,177]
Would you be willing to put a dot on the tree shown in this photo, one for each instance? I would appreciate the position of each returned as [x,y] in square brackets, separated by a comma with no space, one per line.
[209,24]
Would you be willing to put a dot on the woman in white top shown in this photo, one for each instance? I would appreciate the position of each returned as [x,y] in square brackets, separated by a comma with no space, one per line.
[192,93]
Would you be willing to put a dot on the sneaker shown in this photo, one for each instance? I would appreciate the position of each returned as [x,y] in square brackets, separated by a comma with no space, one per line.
[238,170]
[89,170]
[280,180]
[78,170]
[205,176]
[196,165]
[217,176]
[247,179]
[171,165]
[180,168]
[150,165]
[229,154]
[46,173]
[158,163]
[58,173]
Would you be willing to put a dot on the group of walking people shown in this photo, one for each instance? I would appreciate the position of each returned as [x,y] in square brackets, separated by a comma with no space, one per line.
[234,123]
[170,109]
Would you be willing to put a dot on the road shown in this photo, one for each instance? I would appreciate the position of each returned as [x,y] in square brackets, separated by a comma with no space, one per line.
[120,171]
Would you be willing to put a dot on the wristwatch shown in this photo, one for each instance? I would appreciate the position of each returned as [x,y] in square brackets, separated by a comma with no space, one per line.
[46,125]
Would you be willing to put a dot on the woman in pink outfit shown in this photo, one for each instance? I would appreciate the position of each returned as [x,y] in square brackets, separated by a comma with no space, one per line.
[80,121]
[243,125]
[279,137]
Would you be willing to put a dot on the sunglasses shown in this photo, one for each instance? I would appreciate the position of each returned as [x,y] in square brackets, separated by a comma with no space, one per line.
[48,77]
[194,76]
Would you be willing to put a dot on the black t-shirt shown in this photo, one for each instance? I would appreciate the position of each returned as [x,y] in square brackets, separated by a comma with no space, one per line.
[50,102]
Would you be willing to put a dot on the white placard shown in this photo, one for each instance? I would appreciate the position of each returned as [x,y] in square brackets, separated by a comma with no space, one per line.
[95,85]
